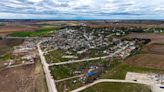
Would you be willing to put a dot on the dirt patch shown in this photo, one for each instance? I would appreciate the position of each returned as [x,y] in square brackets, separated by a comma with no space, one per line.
[40,81]
[20,79]
[147,60]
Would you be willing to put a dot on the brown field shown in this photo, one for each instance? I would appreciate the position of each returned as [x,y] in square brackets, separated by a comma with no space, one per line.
[7,29]
[19,79]
[7,44]
[147,60]
[153,53]
[155,38]
[154,48]
[23,79]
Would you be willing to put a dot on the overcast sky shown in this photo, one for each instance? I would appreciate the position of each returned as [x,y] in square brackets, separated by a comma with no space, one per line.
[82,9]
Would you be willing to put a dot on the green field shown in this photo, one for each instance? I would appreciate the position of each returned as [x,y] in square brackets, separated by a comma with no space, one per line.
[43,31]
[118,87]
[119,72]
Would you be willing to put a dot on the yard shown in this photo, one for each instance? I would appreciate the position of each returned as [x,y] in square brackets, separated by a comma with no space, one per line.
[55,56]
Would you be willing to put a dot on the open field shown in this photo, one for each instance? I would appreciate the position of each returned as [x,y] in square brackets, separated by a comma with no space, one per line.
[117,87]
[152,55]
[154,48]
[7,29]
[42,31]
[23,79]
[119,72]
[10,26]
[7,44]
[147,60]
[19,79]
[155,38]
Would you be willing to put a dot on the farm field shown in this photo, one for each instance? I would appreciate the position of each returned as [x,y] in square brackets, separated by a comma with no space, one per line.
[155,37]
[152,55]
[7,29]
[154,61]
[7,44]
[42,31]
[28,78]
[18,79]
[154,48]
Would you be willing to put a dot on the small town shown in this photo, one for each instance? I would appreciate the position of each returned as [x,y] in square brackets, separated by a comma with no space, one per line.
[80,57]
[81,46]
[83,58]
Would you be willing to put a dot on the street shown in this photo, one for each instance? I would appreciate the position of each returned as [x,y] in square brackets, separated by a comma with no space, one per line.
[105,80]
[49,79]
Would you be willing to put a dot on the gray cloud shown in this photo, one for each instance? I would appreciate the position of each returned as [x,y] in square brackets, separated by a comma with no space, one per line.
[83,8]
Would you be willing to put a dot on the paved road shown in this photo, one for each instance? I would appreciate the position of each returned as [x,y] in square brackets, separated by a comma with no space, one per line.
[90,59]
[50,81]
[105,80]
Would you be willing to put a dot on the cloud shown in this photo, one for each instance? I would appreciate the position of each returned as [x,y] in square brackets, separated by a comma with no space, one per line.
[35,1]
[96,9]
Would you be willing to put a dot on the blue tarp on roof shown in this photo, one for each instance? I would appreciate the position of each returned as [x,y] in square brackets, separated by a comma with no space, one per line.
[89,74]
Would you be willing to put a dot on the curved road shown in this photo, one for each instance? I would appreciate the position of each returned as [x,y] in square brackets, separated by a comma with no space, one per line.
[106,80]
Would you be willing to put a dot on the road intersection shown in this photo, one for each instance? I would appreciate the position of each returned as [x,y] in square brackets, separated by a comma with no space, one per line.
[49,79]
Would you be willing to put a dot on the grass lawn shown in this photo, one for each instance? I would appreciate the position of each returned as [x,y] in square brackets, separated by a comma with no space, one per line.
[119,72]
[43,31]
[118,87]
